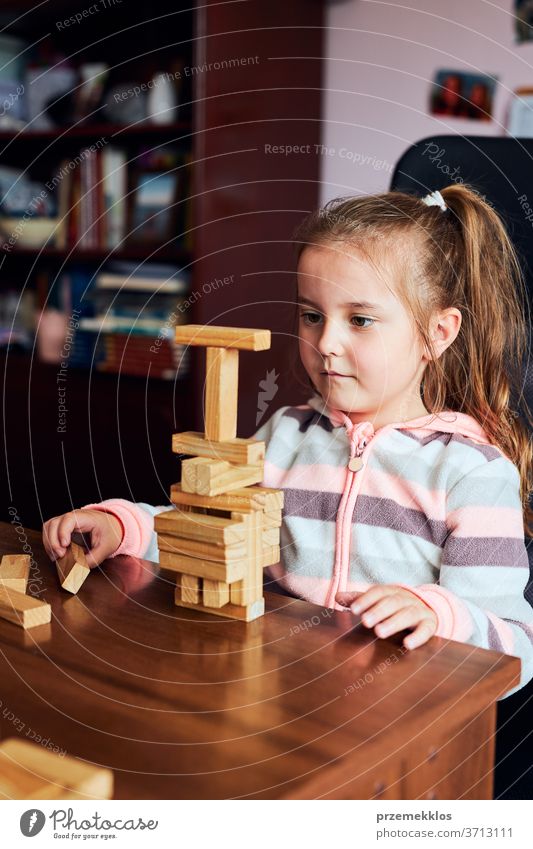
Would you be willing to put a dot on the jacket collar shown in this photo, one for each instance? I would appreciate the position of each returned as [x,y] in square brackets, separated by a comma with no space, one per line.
[447,421]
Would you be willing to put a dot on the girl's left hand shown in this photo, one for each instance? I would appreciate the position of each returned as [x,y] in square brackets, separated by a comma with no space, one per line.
[391,609]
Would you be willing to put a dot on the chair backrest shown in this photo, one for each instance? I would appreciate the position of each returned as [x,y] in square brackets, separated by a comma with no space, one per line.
[501,169]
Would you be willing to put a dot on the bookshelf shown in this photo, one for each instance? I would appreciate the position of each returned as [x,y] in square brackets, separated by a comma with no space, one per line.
[256,85]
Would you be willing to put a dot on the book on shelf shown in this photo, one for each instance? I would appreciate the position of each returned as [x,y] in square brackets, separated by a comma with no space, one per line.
[147,277]
[121,323]
[92,199]
[128,331]
[114,190]
[99,211]
[100,199]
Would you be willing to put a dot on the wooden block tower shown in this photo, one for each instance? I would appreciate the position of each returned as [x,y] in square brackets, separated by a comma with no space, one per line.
[225,528]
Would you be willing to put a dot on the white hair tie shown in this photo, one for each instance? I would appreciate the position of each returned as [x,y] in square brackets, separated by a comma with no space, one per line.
[435,199]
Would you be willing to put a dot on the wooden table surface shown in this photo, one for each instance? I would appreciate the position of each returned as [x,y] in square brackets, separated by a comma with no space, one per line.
[301,703]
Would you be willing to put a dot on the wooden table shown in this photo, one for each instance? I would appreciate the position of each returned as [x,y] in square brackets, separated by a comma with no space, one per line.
[302,703]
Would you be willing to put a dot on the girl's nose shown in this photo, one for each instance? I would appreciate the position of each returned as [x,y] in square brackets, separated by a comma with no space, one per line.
[330,341]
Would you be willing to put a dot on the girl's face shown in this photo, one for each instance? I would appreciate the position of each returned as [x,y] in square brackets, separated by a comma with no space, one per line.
[357,342]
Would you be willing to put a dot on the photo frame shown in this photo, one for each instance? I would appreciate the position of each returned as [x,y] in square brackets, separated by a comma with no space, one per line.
[461,94]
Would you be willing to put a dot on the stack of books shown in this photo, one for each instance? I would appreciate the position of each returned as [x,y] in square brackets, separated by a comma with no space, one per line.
[106,199]
[92,195]
[135,311]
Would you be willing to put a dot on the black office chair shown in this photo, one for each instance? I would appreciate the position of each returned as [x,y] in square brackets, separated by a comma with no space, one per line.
[502,170]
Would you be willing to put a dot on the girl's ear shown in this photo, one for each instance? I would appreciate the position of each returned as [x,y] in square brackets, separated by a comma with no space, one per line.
[444,329]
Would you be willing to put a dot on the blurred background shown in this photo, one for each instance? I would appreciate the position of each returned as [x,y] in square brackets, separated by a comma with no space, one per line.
[154,164]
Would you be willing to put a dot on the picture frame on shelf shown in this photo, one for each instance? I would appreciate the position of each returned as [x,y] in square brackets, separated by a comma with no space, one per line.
[152,216]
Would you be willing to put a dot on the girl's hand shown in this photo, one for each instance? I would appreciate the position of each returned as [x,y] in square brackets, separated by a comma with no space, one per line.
[388,609]
[105,530]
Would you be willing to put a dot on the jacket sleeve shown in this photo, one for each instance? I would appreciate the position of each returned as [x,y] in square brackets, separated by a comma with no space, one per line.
[479,598]
[138,535]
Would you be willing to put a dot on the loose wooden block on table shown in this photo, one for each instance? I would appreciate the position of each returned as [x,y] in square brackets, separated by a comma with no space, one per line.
[72,568]
[22,609]
[245,451]
[242,338]
[214,477]
[28,771]
[14,571]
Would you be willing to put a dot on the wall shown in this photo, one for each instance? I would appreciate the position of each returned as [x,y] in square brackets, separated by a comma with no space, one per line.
[380,61]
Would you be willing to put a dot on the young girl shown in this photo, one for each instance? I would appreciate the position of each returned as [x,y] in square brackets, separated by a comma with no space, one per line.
[407,474]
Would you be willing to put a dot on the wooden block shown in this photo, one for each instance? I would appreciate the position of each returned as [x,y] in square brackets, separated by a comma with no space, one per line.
[72,568]
[244,451]
[271,555]
[29,771]
[221,394]
[22,609]
[250,588]
[14,571]
[245,613]
[216,593]
[189,472]
[214,477]
[272,519]
[201,527]
[201,568]
[211,551]
[270,536]
[191,590]
[242,338]
[242,500]
[274,499]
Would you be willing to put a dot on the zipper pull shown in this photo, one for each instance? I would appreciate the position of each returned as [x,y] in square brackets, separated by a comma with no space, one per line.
[355,463]
[359,438]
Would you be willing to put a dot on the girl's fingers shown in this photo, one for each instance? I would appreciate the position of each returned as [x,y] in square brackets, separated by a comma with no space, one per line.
[382,609]
[407,617]
[67,525]
[420,635]
[346,598]
[52,541]
[371,596]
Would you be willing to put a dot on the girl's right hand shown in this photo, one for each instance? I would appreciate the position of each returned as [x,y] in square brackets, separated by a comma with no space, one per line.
[105,530]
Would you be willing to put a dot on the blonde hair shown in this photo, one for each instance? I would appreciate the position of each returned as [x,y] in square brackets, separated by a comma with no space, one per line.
[461,257]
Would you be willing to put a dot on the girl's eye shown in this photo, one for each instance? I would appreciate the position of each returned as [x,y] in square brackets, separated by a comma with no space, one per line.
[311,318]
[357,318]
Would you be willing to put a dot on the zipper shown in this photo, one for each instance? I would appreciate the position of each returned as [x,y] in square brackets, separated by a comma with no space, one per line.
[362,437]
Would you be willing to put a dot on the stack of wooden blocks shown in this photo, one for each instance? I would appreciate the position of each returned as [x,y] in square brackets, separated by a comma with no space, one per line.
[225,528]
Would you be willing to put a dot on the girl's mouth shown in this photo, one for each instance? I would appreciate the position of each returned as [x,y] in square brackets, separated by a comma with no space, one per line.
[334,374]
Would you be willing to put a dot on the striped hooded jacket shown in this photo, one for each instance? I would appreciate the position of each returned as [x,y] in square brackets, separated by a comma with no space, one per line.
[428,504]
